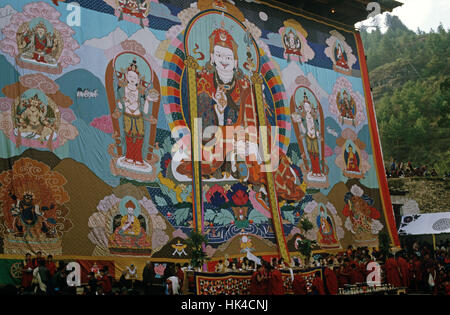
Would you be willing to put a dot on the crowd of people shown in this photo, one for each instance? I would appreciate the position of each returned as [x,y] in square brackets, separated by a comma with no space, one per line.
[43,276]
[418,268]
[401,169]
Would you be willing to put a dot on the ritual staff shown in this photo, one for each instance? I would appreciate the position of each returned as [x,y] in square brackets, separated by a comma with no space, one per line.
[27,271]
[299,285]
[317,285]
[331,279]
[404,270]
[275,282]
[392,271]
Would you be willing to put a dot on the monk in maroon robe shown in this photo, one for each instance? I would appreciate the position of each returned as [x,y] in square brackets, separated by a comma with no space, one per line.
[257,284]
[317,285]
[299,285]
[417,273]
[355,275]
[392,272]
[404,271]
[331,280]
[276,282]
[343,275]
[27,271]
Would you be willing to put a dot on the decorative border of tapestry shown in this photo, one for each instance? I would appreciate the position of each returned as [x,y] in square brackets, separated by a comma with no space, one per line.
[238,283]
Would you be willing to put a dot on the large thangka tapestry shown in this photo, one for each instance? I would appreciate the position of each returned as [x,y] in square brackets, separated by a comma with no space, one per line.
[126,124]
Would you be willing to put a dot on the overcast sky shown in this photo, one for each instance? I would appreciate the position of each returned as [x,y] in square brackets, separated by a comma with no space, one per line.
[423,14]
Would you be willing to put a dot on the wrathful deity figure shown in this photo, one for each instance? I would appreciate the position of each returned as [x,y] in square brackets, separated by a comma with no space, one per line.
[29,219]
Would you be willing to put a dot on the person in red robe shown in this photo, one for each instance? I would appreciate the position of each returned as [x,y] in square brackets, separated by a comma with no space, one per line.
[180,274]
[276,282]
[105,281]
[331,279]
[392,271]
[37,259]
[257,284]
[27,272]
[343,274]
[317,285]
[51,266]
[404,270]
[417,274]
[299,285]
[355,274]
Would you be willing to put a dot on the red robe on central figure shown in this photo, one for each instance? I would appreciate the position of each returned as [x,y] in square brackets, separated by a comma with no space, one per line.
[240,109]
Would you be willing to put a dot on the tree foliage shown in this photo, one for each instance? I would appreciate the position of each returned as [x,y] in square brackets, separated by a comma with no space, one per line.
[196,243]
[410,78]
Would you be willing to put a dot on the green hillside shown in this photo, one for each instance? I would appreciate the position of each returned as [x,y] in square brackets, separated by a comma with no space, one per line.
[410,79]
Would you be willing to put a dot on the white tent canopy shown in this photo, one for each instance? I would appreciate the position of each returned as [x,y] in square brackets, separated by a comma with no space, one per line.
[429,223]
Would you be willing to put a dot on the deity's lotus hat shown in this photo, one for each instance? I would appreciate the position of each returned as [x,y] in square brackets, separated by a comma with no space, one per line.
[130,204]
[221,37]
